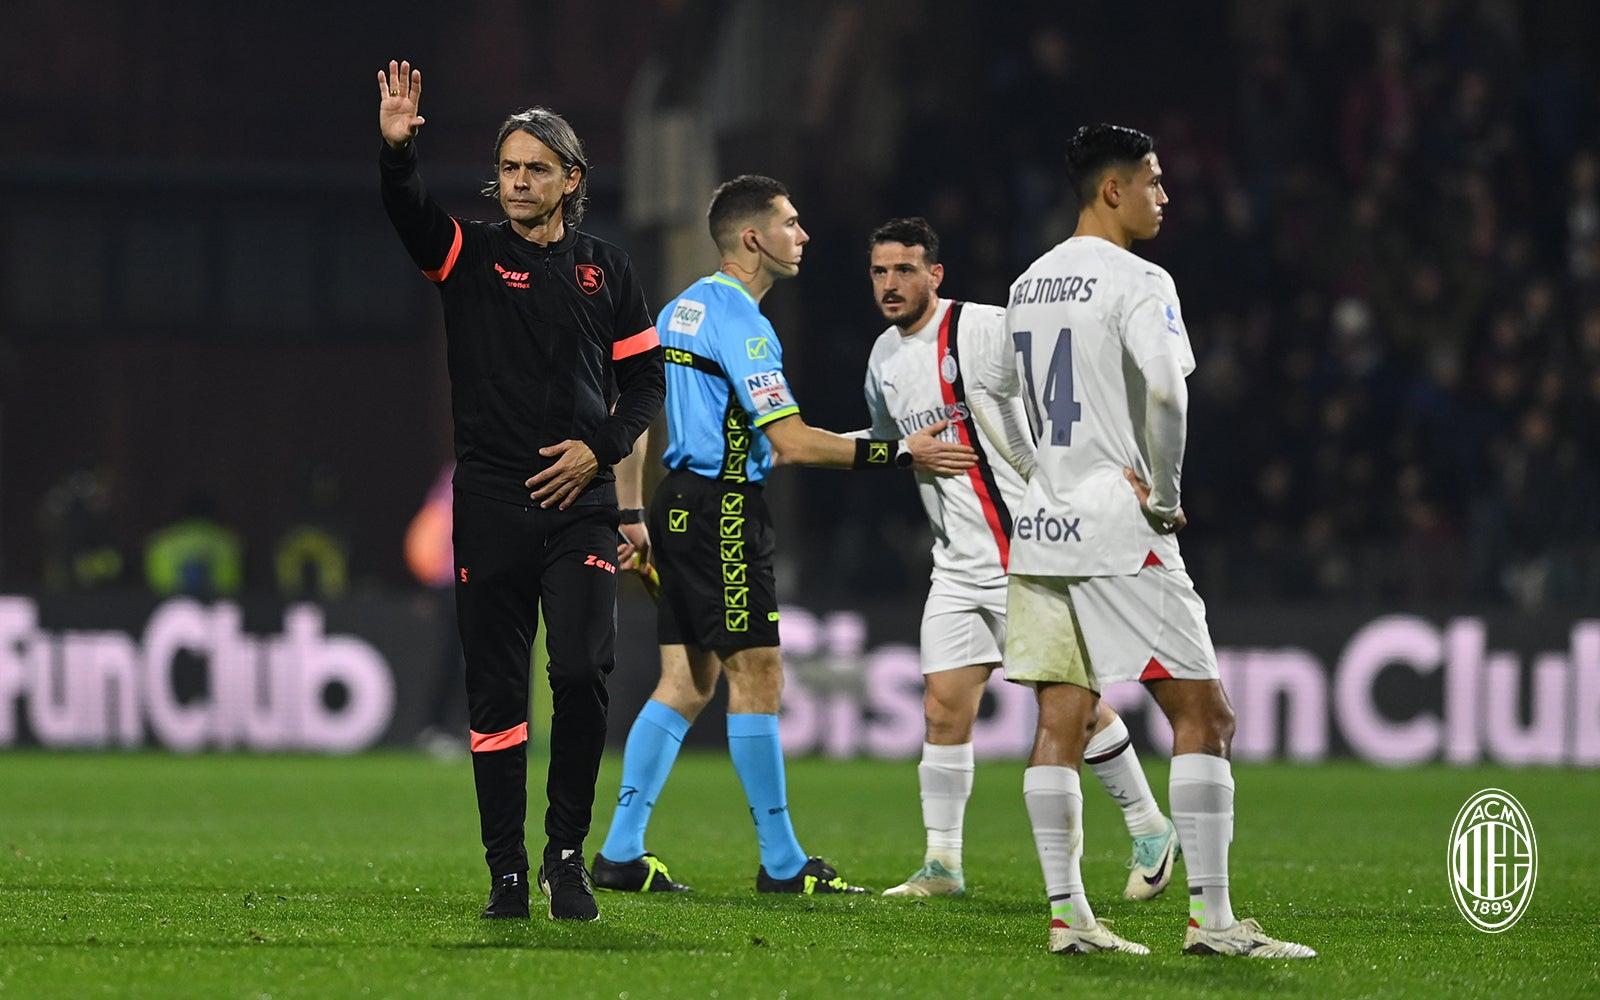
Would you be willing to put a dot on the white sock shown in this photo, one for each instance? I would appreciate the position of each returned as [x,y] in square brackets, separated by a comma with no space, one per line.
[1111,756]
[1201,793]
[1055,808]
[946,778]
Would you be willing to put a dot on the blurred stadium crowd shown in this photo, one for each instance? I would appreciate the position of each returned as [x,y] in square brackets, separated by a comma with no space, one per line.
[1386,234]
[1385,228]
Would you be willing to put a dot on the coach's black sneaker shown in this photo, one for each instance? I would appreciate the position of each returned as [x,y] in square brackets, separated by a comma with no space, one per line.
[815,879]
[508,897]
[643,874]
[566,882]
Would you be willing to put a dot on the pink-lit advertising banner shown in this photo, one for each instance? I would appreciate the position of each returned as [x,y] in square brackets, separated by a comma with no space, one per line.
[1387,686]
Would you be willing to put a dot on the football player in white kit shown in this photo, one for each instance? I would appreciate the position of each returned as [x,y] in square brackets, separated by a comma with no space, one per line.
[924,370]
[1098,592]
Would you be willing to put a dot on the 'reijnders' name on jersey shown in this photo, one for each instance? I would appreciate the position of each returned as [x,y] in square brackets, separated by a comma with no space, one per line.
[1063,288]
[1089,324]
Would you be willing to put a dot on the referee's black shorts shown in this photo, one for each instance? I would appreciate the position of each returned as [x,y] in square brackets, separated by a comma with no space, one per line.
[713,544]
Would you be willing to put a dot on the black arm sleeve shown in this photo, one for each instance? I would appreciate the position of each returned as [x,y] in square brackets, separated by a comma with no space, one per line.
[642,388]
[430,235]
[639,370]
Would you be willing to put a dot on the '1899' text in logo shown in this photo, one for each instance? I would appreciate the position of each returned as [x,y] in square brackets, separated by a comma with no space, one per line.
[1494,860]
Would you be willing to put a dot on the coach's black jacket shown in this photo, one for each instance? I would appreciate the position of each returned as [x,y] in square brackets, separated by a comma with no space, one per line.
[537,339]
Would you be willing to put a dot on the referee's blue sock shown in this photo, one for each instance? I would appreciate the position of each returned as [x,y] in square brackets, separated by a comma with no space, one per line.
[647,759]
[758,758]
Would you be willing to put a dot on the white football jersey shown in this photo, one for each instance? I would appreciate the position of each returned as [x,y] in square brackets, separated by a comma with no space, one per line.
[918,379]
[1082,320]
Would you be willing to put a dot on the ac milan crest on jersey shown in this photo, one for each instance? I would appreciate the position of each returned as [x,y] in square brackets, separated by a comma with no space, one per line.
[914,380]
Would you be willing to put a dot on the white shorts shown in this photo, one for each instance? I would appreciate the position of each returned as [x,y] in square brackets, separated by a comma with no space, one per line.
[963,624]
[1099,630]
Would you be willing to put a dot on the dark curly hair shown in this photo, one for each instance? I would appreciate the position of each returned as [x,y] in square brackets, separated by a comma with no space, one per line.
[913,232]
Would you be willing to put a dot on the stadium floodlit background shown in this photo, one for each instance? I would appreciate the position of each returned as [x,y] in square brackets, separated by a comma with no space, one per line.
[223,400]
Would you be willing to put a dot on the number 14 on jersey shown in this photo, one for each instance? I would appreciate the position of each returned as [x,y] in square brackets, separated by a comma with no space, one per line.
[1054,398]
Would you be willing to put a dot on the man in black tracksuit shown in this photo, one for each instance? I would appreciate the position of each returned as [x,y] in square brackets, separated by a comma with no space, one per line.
[555,370]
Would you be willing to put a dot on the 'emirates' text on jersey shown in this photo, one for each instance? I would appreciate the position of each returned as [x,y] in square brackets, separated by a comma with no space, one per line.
[918,379]
[1081,319]
[724,381]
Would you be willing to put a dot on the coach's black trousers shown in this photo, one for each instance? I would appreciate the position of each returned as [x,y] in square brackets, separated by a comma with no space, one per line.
[510,560]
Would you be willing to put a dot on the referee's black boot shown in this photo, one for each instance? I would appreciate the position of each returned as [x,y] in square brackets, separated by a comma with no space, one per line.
[508,897]
[645,873]
[565,881]
[816,878]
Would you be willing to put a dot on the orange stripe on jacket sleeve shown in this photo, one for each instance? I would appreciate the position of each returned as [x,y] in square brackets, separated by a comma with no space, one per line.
[449,259]
[484,742]
[636,344]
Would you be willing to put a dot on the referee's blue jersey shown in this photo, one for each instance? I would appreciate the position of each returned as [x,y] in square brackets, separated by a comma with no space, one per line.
[724,381]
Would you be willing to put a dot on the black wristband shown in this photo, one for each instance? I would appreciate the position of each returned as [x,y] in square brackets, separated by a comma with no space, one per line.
[875,453]
[630,515]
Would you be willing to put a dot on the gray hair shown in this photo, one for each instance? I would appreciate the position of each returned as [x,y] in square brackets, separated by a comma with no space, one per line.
[552,130]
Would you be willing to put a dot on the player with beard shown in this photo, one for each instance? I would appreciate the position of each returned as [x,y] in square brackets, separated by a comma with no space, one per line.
[731,417]
[926,369]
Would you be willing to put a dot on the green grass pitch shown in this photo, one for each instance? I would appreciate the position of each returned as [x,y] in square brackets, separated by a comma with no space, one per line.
[232,876]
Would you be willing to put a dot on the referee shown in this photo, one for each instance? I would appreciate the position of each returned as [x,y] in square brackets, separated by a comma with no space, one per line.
[555,370]
[730,416]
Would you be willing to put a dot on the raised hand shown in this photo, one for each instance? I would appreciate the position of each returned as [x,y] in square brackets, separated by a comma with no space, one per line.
[930,454]
[399,96]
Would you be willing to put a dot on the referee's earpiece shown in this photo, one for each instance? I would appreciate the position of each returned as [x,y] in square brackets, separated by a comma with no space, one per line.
[763,250]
